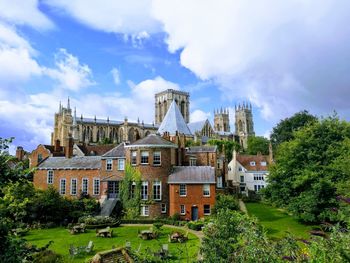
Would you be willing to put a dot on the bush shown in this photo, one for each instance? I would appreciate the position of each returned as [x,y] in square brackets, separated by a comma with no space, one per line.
[195,225]
[225,202]
[98,221]
[47,256]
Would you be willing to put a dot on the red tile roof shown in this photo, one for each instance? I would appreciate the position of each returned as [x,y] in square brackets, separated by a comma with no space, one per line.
[245,161]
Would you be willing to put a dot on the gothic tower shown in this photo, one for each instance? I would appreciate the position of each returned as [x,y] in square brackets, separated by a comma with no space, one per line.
[244,125]
[63,124]
[221,120]
[163,100]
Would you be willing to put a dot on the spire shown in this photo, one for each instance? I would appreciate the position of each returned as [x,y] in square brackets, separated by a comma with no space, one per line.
[68,104]
[108,119]
[60,108]
[221,110]
[95,118]
[75,117]
[81,116]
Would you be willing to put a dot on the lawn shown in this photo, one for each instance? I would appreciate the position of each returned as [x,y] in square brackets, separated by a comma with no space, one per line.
[62,240]
[277,222]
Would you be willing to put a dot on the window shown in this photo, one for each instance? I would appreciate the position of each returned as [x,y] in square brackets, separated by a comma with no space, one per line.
[132,190]
[252,163]
[85,185]
[109,164]
[73,186]
[50,177]
[144,157]
[40,157]
[193,162]
[163,208]
[134,157]
[258,177]
[156,158]
[144,191]
[145,210]
[242,178]
[206,209]
[240,169]
[157,190]
[63,186]
[206,190]
[263,163]
[182,210]
[258,187]
[121,164]
[96,186]
[183,190]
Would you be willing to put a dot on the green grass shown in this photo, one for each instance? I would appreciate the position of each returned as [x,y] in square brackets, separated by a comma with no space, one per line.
[277,222]
[62,240]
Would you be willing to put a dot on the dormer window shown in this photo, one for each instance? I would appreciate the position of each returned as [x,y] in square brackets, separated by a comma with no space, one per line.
[252,163]
[263,163]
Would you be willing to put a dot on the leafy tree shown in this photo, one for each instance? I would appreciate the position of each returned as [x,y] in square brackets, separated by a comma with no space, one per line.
[258,144]
[130,192]
[225,147]
[309,168]
[224,201]
[284,130]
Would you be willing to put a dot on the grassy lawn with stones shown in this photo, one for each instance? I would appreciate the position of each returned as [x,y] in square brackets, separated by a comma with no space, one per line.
[277,222]
[62,239]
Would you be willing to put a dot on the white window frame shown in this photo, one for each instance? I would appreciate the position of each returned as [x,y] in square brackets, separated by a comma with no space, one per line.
[71,186]
[206,214]
[144,210]
[50,175]
[63,190]
[109,164]
[206,190]
[144,190]
[252,163]
[182,210]
[263,163]
[193,161]
[144,154]
[156,153]
[87,186]
[183,193]
[121,164]
[157,184]
[133,157]
[163,208]
[95,190]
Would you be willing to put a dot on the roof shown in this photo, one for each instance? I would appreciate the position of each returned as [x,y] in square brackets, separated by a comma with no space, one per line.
[79,163]
[245,161]
[192,175]
[196,126]
[116,152]
[111,122]
[201,149]
[95,150]
[51,149]
[152,140]
[174,122]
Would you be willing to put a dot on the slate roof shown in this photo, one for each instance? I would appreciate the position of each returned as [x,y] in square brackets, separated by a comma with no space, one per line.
[192,175]
[95,150]
[174,122]
[74,163]
[111,122]
[152,140]
[245,161]
[51,148]
[116,152]
[196,126]
[201,149]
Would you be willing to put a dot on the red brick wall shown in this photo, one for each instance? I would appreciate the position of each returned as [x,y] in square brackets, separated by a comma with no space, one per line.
[40,180]
[194,197]
[203,159]
[33,158]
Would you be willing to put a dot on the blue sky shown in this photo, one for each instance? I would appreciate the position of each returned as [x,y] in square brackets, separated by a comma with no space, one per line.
[111,56]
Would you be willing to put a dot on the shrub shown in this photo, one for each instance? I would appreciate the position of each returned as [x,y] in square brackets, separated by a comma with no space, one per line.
[98,221]
[47,256]
[225,202]
[195,225]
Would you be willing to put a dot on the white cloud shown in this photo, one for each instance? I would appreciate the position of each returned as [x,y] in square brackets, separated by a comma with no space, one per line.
[130,17]
[26,12]
[199,115]
[116,76]
[69,72]
[286,58]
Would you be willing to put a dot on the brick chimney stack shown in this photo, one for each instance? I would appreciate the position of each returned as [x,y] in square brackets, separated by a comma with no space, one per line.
[19,153]
[68,151]
[57,146]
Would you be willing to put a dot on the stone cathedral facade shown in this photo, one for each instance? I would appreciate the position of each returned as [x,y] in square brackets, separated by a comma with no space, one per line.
[94,131]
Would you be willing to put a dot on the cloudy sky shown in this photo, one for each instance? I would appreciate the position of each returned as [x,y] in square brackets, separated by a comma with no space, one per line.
[111,56]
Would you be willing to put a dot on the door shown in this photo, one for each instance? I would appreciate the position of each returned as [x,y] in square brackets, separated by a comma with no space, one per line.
[194,213]
[113,189]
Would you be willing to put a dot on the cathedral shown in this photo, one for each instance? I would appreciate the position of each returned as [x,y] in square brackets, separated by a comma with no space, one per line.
[91,131]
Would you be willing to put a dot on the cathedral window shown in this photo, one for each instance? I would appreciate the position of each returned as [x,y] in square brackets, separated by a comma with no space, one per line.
[109,164]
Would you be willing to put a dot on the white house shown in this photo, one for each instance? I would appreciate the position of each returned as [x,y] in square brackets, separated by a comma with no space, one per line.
[248,172]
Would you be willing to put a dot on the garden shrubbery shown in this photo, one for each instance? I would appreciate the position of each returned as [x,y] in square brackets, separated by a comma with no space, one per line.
[99,221]
[195,225]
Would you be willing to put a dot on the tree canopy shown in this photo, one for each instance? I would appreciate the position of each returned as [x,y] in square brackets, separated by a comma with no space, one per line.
[258,144]
[309,169]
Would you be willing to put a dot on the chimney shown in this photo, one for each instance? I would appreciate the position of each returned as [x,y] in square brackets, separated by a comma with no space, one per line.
[68,151]
[57,146]
[19,153]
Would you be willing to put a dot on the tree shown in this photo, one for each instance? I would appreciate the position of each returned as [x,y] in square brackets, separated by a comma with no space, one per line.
[225,147]
[308,169]
[258,144]
[284,130]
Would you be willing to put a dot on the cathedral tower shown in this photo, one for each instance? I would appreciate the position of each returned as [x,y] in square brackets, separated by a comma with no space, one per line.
[221,120]
[244,125]
[163,101]
[63,124]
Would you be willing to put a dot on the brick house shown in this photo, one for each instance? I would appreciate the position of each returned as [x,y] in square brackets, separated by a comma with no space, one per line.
[192,191]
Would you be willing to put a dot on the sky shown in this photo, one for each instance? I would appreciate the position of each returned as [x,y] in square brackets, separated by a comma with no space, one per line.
[111,56]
